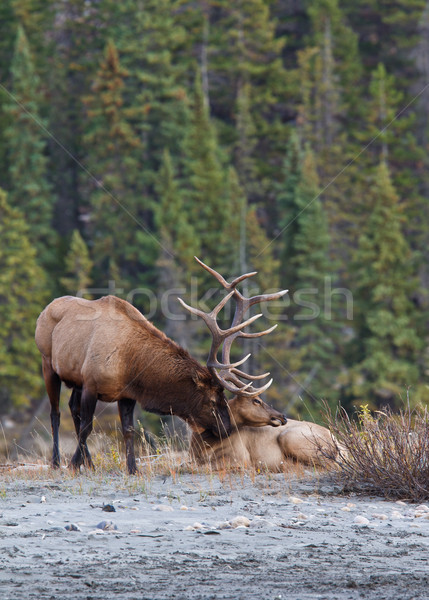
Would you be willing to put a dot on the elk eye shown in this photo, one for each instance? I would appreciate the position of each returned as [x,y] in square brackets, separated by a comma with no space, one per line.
[256,401]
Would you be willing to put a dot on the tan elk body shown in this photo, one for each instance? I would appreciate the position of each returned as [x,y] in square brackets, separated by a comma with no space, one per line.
[261,445]
[107,350]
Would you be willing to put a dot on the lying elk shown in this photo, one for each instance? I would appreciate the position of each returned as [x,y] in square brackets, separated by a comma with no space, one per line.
[256,443]
[107,350]
[258,435]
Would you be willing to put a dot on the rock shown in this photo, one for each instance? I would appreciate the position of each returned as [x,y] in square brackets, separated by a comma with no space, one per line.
[163,507]
[107,526]
[380,516]
[108,508]
[72,527]
[361,521]
[396,515]
[261,524]
[295,500]
[224,525]
[184,508]
[422,508]
[240,521]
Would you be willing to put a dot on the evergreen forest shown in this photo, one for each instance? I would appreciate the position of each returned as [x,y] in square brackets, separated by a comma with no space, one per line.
[286,137]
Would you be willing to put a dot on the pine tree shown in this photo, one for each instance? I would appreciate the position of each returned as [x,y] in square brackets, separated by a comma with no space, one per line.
[205,184]
[307,270]
[29,188]
[79,39]
[177,235]
[119,220]
[148,44]
[22,297]
[78,266]
[385,350]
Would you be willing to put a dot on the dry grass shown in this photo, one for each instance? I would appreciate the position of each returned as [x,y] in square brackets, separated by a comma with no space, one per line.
[169,460]
[385,453]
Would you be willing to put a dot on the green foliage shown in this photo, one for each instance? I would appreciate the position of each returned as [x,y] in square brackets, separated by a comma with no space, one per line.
[387,348]
[22,296]
[298,150]
[78,266]
[29,188]
[113,147]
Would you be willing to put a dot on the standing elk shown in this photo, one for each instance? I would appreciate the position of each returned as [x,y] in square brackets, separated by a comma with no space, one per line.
[257,442]
[107,350]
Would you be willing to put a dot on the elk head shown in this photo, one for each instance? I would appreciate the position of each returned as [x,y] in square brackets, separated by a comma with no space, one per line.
[227,374]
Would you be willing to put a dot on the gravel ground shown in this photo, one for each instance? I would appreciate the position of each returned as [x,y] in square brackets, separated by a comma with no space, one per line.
[89,538]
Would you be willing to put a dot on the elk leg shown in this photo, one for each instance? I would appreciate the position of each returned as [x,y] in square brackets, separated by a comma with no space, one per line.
[126,413]
[88,402]
[53,387]
[74,405]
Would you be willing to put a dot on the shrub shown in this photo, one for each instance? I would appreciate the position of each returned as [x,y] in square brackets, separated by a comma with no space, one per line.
[385,452]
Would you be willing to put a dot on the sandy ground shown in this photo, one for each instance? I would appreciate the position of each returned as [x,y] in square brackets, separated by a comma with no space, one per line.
[179,539]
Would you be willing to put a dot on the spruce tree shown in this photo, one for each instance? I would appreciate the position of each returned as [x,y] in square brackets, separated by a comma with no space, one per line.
[306,269]
[22,297]
[78,266]
[29,189]
[120,215]
[384,352]
[176,233]
[205,184]
[148,44]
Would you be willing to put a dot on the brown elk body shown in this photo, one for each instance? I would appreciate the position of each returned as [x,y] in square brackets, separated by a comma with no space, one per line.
[107,350]
[256,443]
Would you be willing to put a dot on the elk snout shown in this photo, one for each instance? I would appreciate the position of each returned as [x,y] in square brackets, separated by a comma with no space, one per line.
[278,420]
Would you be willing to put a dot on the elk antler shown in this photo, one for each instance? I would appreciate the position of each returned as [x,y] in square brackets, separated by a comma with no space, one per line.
[226,373]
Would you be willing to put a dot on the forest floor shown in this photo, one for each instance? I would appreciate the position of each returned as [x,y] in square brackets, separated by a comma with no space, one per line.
[177,536]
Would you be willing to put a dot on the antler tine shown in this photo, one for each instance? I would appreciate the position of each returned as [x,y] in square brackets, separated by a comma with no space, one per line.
[226,372]
[218,334]
[247,376]
[222,280]
[238,387]
[242,306]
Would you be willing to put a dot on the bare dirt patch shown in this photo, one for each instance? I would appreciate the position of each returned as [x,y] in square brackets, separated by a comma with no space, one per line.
[175,538]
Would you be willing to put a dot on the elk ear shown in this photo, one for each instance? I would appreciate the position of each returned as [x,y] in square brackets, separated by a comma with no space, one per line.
[201,380]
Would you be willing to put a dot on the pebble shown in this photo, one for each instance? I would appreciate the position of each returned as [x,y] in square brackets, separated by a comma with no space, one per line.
[95,533]
[195,527]
[43,499]
[108,508]
[301,517]
[295,500]
[361,520]
[240,521]
[107,526]
[346,508]
[380,516]
[163,508]
[72,527]
[396,515]
[422,508]
[421,515]
[261,524]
